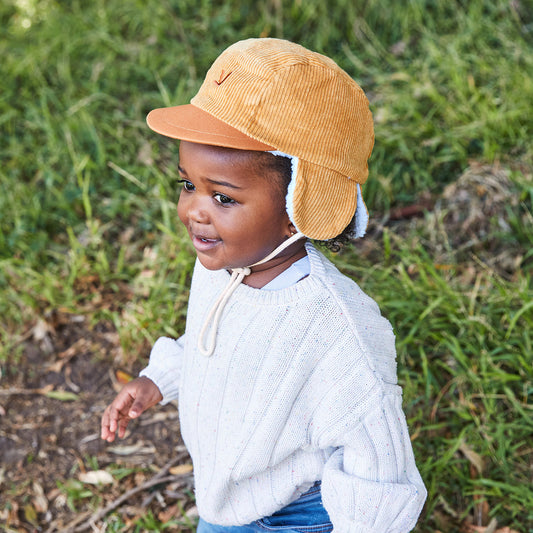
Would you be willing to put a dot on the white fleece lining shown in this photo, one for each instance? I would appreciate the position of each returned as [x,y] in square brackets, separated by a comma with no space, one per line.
[289,199]
[361,216]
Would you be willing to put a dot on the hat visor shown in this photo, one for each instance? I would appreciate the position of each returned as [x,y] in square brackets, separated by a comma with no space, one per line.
[190,123]
[323,201]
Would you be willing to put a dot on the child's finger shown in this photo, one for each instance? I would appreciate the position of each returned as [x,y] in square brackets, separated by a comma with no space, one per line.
[138,407]
[106,431]
[110,422]
[122,425]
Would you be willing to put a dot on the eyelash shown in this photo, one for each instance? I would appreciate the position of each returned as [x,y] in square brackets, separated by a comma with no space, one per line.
[222,199]
[186,184]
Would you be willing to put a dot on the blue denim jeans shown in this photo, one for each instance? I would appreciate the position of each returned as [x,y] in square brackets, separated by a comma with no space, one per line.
[304,515]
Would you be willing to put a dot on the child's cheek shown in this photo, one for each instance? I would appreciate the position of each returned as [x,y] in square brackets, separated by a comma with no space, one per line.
[182,209]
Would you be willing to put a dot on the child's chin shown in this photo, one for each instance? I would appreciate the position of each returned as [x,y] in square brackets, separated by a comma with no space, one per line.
[209,264]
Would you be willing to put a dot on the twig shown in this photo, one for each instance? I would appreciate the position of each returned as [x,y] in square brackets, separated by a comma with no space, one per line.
[68,528]
[126,496]
[119,501]
[66,355]
[160,477]
[20,392]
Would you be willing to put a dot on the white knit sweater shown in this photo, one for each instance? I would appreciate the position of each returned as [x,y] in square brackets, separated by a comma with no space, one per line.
[301,387]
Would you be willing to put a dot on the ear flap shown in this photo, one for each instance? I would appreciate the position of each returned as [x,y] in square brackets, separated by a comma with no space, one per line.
[359,222]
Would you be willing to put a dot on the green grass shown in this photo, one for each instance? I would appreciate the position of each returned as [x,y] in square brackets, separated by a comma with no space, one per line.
[465,362]
[88,197]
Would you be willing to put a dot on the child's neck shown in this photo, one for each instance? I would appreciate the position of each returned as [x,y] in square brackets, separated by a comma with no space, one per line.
[265,273]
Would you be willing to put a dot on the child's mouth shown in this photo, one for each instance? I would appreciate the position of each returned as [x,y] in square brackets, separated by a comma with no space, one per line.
[203,244]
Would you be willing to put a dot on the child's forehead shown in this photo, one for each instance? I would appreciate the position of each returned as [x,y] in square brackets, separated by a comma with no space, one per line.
[217,150]
[255,164]
[255,161]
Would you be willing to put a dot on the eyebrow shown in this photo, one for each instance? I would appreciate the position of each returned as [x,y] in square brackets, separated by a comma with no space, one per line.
[213,181]
[223,183]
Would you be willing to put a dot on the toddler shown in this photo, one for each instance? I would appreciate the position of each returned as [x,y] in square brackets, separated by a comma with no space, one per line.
[286,374]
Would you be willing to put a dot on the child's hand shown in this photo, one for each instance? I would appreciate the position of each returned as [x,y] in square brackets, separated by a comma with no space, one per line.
[137,396]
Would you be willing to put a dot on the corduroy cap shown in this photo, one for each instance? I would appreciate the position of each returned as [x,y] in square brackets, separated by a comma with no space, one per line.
[275,95]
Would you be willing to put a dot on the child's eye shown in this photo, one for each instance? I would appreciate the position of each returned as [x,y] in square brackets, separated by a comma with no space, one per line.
[187,185]
[223,199]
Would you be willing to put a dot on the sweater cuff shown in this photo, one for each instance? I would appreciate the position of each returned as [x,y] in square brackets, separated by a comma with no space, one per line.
[164,367]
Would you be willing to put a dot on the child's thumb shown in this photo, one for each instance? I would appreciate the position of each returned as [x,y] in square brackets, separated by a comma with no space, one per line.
[139,405]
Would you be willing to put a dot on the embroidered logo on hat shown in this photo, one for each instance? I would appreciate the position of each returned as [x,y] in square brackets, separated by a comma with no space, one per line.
[222,78]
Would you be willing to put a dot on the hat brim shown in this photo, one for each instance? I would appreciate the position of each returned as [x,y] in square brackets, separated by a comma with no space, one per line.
[190,123]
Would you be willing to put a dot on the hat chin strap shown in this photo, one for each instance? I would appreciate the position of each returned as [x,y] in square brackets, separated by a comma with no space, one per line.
[208,333]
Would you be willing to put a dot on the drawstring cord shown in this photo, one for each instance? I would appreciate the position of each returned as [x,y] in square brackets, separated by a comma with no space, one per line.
[237,275]
[207,346]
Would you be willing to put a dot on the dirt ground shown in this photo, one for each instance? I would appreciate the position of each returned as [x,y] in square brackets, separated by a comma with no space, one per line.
[50,407]
[52,398]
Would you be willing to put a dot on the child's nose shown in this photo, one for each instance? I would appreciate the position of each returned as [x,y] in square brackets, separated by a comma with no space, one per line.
[197,211]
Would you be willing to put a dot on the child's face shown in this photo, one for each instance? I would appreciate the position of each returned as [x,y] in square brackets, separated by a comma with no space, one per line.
[234,214]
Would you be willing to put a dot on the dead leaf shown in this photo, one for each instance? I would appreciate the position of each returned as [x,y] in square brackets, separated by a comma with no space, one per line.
[71,385]
[485,529]
[132,449]
[39,499]
[123,377]
[169,513]
[62,395]
[66,355]
[44,390]
[491,528]
[181,470]
[30,514]
[42,333]
[192,512]
[12,514]
[126,236]
[53,494]
[475,459]
[41,330]
[96,477]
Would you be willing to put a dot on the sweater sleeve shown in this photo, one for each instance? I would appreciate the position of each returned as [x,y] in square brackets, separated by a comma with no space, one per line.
[370,483]
[164,366]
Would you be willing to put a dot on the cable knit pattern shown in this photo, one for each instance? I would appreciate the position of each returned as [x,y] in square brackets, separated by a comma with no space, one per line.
[301,387]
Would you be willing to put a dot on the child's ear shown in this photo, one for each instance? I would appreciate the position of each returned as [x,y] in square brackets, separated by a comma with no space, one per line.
[292,229]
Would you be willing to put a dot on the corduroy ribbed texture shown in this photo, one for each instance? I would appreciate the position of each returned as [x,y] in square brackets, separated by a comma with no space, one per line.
[301,387]
[301,103]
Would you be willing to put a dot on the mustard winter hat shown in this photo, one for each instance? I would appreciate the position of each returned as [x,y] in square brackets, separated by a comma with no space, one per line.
[274,95]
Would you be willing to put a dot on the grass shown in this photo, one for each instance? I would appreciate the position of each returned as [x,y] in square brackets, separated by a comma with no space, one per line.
[467,370]
[87,210]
